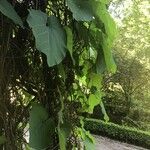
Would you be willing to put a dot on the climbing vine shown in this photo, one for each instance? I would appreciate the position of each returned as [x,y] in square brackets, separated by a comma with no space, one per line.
[52,57]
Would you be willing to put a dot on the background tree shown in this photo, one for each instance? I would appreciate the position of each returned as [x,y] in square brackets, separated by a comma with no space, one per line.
[133,39]
[127,92]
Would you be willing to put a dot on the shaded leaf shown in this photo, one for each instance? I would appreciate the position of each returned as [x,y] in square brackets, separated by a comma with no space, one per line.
[49,36]
[106,118]
[100,63]
[63,133]
[70,42]
[82,10]
[41,127]
[7,9]
[61,71]
[63,128]
[62,139]
[82,32]
[2,139]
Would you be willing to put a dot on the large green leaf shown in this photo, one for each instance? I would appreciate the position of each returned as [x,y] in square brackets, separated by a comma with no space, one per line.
[81,9]
[7,9]
[108,36]
[41,127]
[49,36]
[107,26]
[110,63]
[102,16]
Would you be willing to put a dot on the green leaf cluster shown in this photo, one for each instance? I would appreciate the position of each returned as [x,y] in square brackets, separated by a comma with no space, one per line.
[66,46]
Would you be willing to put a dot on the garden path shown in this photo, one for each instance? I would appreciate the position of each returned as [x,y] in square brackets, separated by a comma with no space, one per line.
[103,143]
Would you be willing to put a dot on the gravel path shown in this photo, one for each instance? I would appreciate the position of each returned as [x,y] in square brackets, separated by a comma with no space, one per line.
[103,143]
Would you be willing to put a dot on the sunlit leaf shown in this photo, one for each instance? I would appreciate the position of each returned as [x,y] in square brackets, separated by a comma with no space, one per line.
[87,138]
[110,63]
[50,37]
[95,80]
[108,28]
[102,15]
[93,101]
[7,9]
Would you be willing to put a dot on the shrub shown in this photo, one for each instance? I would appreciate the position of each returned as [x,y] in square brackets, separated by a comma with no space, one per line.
[121,133]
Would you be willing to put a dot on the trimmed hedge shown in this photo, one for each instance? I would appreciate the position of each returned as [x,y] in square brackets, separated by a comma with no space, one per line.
[117,132]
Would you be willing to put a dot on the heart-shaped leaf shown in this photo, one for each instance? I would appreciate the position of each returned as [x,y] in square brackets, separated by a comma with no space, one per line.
[49,35]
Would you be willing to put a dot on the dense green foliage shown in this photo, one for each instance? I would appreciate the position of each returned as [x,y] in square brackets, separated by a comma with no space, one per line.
[121,133]
[127,92]
[52,56]
[129,88]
